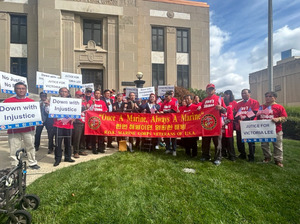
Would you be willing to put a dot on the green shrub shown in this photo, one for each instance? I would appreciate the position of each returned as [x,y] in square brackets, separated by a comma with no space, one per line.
[291,128]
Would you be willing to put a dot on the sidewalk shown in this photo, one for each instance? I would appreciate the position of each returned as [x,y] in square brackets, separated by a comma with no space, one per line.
[45,161]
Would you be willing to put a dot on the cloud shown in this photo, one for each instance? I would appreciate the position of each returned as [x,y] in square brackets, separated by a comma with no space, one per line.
[283,39]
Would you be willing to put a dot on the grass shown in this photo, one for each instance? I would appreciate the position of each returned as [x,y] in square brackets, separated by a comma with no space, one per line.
[152,188]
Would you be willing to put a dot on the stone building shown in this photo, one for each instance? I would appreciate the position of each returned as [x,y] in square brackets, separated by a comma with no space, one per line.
[286,80]
[107,41]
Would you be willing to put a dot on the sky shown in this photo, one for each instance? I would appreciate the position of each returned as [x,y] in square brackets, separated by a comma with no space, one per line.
[239,38]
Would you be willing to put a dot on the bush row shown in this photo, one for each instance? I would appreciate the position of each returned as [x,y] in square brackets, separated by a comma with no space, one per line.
[291,128]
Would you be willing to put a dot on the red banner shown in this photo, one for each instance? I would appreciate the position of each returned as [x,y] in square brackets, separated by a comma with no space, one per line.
[171,125]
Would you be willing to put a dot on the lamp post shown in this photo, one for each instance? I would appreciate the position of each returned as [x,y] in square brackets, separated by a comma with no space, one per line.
[139,83]
[270,45]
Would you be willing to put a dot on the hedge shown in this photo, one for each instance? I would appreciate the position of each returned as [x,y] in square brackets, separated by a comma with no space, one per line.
[291,128]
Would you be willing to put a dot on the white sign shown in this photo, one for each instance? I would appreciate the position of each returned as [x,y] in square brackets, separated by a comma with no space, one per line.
[40,78]
[163,89]
[258,131]
[131,89]
[8,82]
[65,107]
[144,93]
[75,80]
[52,85]
[87,85]
[19,115]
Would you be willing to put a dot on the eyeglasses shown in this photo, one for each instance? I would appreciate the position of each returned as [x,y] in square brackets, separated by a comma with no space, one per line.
[21,88]
[268,96]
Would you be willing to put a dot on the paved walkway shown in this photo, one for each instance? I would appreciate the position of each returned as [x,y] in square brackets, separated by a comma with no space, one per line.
[45,161]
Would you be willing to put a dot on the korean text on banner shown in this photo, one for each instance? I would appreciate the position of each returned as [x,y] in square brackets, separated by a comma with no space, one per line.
[19,115]
[64,107]
[144,93]
[8,82]
[172,125]
[258,131]
[52,85]
[163,89]
[75,80]
[40,78]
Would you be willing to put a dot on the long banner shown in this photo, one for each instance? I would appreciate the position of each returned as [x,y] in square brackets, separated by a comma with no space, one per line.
[171,125]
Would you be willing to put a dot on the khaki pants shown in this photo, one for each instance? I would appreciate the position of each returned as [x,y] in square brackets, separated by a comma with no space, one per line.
[278,149]
[15,143]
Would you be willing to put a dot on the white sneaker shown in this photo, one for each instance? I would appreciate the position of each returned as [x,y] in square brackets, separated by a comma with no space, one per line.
[174,153]
[217,162]
[168,151]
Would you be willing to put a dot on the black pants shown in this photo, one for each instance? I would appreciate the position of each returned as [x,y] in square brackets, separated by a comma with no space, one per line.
[63,134]
[241,147]
[100,139]
[217,140]
[168,143]
[228,147]
[50,132]
[190,143]
[78,137]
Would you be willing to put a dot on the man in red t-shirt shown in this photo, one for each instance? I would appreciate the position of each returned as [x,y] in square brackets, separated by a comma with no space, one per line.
[212,102]
[15,136]
[169,106]
[245,110]
[275,112]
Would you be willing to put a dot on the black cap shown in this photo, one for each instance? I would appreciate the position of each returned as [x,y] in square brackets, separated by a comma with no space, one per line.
[168,93]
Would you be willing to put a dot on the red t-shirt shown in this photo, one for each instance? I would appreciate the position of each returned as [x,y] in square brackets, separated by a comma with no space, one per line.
[211,102]
[232,105]
[276,111]
[227,129]
[246,106]
[17,100]
[198,104]
[167,107]
[189,108]
[99,105]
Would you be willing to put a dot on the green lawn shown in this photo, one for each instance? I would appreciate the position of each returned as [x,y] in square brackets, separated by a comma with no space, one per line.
[152,188]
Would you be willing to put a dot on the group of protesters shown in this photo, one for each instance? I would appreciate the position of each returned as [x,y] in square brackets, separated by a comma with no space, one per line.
[71,131]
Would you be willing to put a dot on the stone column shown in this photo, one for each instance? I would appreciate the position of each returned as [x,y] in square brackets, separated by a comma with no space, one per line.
[111,77]
[5,42]
[170,56]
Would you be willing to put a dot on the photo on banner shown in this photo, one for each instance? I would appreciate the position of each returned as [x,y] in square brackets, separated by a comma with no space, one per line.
[8,81]
[19,115]
[64,107]
[40,78]
[75,80]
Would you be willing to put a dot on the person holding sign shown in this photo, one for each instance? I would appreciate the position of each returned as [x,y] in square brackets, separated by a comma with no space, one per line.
[212,102]
[275,112]
[245,110]
[64,131]
[15,136]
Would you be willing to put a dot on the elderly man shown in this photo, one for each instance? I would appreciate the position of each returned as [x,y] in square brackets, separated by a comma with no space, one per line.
[275,112]
[15,136]
[245,110]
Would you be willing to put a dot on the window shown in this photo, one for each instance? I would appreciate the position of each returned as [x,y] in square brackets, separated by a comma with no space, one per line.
[182,40]
[18,29]
[158,74]
[18,66]
[157,39]
[92,30]
[183,79]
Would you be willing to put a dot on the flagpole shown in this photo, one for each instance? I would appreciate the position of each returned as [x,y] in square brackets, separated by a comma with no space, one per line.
[270,45]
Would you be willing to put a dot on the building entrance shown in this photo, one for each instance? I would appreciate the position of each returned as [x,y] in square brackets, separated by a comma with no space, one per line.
[93,76]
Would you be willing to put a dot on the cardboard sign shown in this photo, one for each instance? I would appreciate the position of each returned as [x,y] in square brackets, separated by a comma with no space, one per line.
[75,80]
[52,85]
[144,93]
[87,85]
[19,115]
[132,89]
[64,107]
[258,131]
[8,82]
[40,78]
[161,90]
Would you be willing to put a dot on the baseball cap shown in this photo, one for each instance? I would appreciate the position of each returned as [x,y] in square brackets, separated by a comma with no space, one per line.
[210,85]
[168,93]
[89,89]
[78,92]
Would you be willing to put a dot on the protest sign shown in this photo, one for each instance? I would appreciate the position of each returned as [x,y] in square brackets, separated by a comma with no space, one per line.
[161,90]
[8,82]
[87,85]
[170,125]
[258,131]
[64,107]
[131,89]
[75,80]
[144,93]
[40,78]
[19,115]
[52,85]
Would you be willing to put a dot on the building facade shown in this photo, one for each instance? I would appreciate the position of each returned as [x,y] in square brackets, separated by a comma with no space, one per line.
[286,80]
